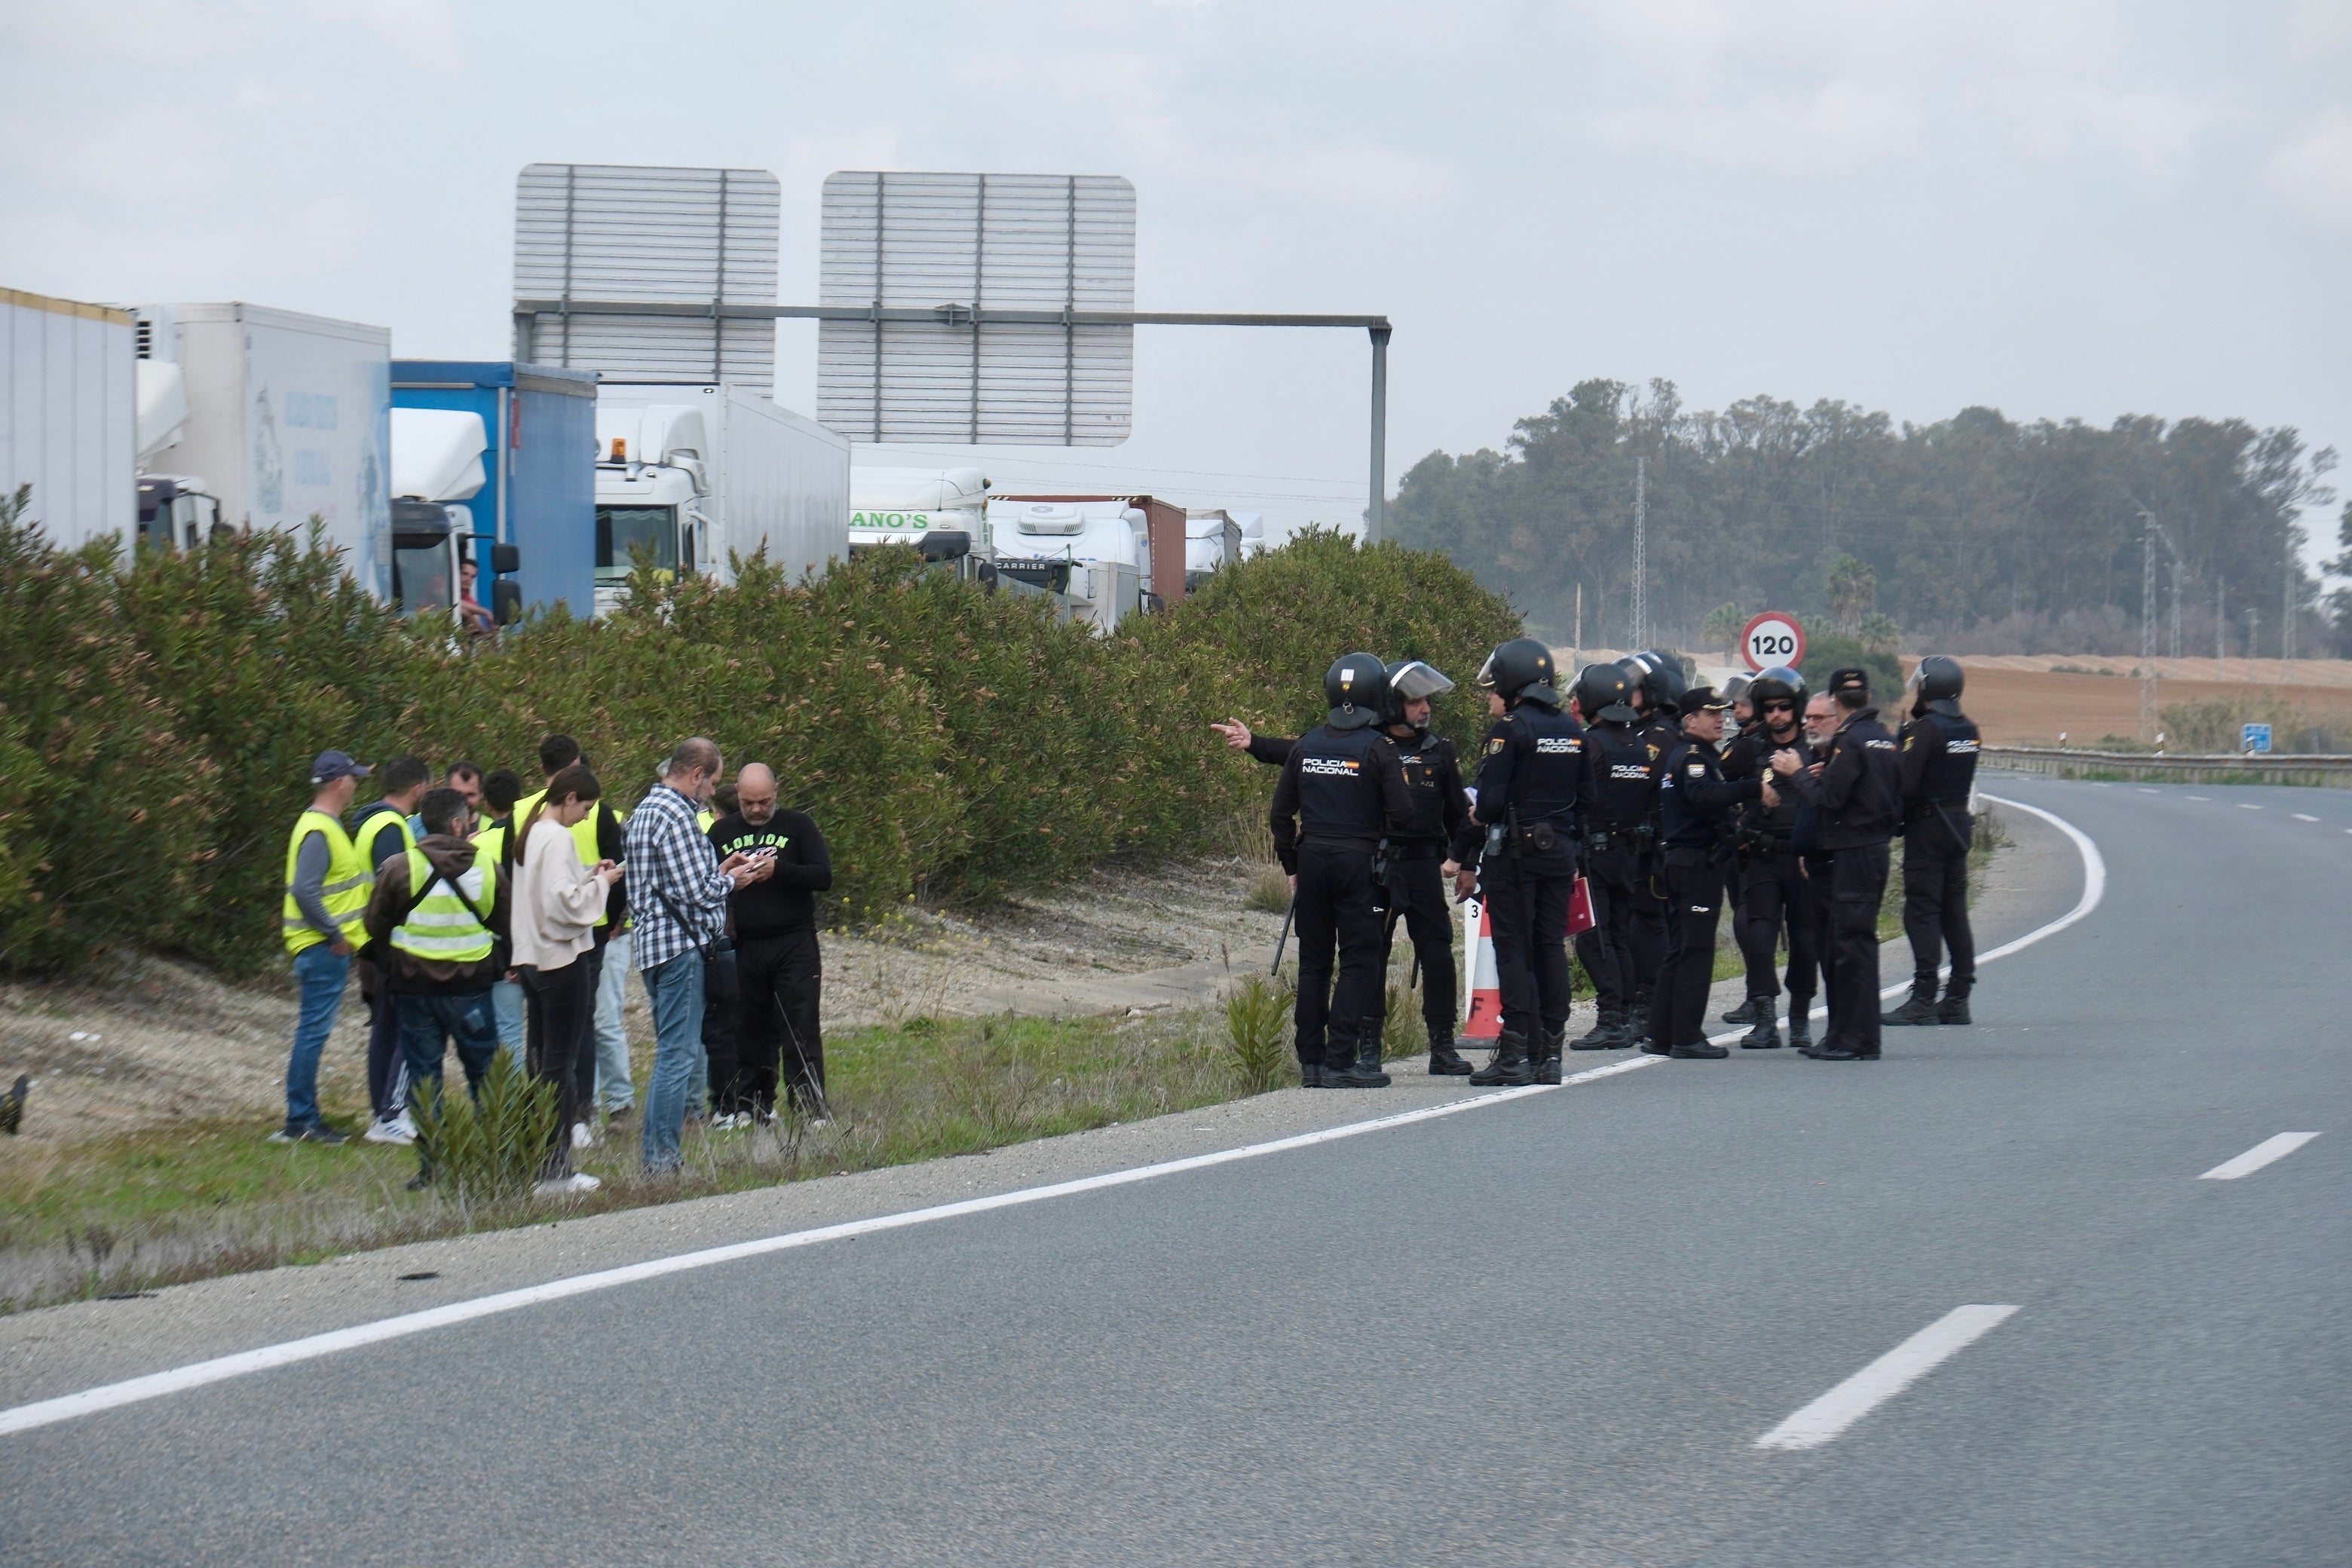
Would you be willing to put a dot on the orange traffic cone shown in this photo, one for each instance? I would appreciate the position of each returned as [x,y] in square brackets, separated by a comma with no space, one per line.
[1485,1018]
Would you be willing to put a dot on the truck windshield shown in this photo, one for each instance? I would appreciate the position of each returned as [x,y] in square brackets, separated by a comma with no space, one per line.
[620,529]
[421,573]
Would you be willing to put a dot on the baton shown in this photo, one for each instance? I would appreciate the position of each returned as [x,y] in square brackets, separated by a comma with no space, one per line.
[1283,940]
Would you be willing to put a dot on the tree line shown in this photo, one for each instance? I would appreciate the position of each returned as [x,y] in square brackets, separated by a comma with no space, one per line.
[1977,534]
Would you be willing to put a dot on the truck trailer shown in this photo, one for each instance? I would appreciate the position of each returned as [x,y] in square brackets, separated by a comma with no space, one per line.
[289,417]
[68,414]
[538,490]
[696,474]
[943,513]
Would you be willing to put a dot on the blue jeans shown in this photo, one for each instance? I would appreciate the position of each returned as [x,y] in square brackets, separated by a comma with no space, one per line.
[321,974]
[615,1090]
[675,989]
[428,1021]
[507,1003]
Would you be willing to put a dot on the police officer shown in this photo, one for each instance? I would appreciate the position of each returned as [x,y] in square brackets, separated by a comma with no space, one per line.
[1771,892]
[1344,786]
[1857,789]
[1696,803]
[1624,784]
[1416,888]
[1534,792]
[1657,689]
[1939,770]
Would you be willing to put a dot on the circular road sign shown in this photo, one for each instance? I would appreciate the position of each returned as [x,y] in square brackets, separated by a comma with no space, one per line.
[1773,638]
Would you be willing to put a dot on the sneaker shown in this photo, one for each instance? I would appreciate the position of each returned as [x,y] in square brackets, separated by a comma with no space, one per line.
[584,1136]
[312,1133]
[564,1186]
[816,1121]
[398,1130]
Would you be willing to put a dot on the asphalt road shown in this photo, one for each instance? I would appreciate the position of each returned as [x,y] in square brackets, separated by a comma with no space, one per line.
[1550,1329]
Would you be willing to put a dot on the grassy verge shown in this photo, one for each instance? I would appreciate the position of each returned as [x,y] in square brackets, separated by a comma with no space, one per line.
[187,1202]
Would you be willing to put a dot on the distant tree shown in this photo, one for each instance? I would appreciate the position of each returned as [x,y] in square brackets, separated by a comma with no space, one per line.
[1879,633]
[1852,589]
[1723,625]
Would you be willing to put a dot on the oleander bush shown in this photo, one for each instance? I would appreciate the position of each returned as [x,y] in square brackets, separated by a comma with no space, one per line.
[158,715]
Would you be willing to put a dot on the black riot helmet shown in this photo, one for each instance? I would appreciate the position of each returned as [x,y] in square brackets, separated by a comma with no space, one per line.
[1410,680]
[1520,668]
[1602,692]
[1736,688]
[1356,687]
[1779,683]
[1661,679]
[1936,685]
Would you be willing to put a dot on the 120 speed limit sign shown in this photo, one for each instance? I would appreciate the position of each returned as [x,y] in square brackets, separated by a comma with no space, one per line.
[1772,638]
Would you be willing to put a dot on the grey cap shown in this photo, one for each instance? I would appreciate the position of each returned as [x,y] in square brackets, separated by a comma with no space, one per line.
[329,766]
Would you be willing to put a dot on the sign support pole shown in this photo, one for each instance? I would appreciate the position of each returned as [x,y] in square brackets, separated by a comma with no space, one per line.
[1376,513]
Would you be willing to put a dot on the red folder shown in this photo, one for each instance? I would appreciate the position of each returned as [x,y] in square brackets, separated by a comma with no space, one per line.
[1579,907]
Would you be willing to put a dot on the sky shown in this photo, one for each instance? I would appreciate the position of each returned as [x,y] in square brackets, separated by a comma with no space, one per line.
[2055,208]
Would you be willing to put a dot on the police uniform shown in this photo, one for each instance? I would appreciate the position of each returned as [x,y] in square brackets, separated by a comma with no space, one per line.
[1624,784]
[1857,797]
[1939,769]
[1342,792]
[1661,732]
[1696,803]
[1416,888]
[1771,892]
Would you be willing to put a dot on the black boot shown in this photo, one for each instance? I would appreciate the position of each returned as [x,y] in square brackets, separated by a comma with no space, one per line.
[1310,1074]
[1543,1054]
[1510,1064]
[1919,1007]
[1698,1051]
[1444,1061]
[1369,1053]
[1608,1034]
[1800,1025]
[1953,1008]
[1352,1072]
[1764,1037]
[1754,1010]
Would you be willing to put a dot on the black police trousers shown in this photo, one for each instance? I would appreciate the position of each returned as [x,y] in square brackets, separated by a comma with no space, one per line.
[1340,913]
[1652,926]
[1606,950]
[1416,893]
[1857,886]
[1774,894]
[779,977]
[1936,899]
[1693,904]
[1526,898]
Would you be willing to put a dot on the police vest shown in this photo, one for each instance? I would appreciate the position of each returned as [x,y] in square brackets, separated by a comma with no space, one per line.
[583,838]
[1423,760]
[1952,772]
[442,925]
[1549,768]
[349,880]
[1624,776]
[1338,797]
[375,827]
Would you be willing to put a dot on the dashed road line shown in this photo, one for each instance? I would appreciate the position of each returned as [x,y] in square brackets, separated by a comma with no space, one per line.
[1882,1380]
[2305,816]
[2248,806]
[2206,798]
[2267,1152]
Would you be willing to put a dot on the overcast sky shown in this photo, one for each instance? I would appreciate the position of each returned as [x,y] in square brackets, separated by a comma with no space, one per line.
[2053,206]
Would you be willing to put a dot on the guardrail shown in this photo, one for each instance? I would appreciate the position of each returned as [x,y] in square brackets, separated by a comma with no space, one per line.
[2227,767]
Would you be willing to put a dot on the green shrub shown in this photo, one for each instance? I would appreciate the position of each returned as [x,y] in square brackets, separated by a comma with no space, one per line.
[493,1147]
[1830,651]
[1255,1015]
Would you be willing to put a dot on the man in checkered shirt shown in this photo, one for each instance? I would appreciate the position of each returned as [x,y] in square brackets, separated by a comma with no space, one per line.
[678,901]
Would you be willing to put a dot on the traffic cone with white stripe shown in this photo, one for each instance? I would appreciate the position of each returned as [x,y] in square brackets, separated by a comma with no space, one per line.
[1482,1024]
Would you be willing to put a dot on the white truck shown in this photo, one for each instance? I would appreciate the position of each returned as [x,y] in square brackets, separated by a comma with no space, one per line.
[289,417]
[436,469]
[694,473]
[943,513]
[1090,552]
[67,415]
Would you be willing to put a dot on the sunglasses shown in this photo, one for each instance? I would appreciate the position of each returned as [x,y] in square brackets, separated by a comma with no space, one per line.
[1779,707]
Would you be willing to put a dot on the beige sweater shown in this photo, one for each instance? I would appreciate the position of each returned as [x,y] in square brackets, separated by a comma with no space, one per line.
[557,900]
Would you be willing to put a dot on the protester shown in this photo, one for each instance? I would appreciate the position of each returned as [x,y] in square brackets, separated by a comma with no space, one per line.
[779,969]
[437,921]
[466,780]
[681,889]
[321,918]
[381,833]
[597,837]
[472,618]
[558,902]
[501,789]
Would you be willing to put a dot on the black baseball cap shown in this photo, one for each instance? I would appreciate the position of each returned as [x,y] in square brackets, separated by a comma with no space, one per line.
[1848,679]
[329,766]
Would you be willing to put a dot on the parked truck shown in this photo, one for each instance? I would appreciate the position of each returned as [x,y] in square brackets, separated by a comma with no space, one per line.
[943,513]
[538,487]
[693,474]
[1088,550]
[68,414]
[438,473]
[288,418]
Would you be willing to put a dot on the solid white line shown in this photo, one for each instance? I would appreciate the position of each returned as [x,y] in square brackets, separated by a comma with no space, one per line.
[1885,1378]
[2248,806]
[106,1396]
[2300,817]
[2255,1158]
[2206,798]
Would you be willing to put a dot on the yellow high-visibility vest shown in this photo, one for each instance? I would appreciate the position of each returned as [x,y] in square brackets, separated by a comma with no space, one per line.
[373,828]
[583,835]
[442,925]
[349,880]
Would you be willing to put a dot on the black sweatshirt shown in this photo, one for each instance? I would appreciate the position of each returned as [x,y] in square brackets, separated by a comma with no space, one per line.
[787,900]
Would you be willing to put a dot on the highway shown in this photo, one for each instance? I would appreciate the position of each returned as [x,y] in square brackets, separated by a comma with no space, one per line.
[2053,1289]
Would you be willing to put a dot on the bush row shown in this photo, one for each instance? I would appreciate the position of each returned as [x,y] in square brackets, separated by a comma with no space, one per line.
[158,715]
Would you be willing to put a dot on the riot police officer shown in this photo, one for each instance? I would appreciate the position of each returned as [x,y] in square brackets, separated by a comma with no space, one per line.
[1625,786]
[1857,790]
[1534,792]
[1696,802]
[1416,888]
[1939,770]
[1770,893]
[1657,679]
[1344,786]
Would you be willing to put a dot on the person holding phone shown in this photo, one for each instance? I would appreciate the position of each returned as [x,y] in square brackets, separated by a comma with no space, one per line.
[780,971]
[558,902]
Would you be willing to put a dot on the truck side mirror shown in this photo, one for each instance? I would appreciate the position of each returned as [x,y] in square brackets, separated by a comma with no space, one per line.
[505,598]
[505,558]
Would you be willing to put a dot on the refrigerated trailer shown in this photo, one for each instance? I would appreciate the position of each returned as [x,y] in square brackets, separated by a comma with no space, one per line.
[695,473]
[68,414]
[288,418]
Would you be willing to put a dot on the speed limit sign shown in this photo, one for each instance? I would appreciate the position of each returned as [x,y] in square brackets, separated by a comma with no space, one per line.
[1772,638]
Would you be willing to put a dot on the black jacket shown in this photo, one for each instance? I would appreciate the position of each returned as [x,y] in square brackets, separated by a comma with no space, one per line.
[1940,760]
[1749,756]
[1342,787]
[1695,799]
[1532,769]
[786,900]
[1859,793]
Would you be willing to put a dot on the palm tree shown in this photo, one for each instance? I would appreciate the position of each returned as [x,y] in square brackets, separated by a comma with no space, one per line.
[1853,588]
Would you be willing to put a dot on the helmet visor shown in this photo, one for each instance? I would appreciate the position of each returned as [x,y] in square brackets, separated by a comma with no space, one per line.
[1414,681]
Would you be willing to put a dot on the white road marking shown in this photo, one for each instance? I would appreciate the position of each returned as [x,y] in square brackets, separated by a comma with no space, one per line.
[2203,797]
[2301,817]
[2145,790]
[174,1380]
[1885,1378]
[2248,806]
[2255,1158]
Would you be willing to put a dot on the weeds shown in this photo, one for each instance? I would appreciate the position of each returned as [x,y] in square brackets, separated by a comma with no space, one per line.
[1255,1016]
[489,1146]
